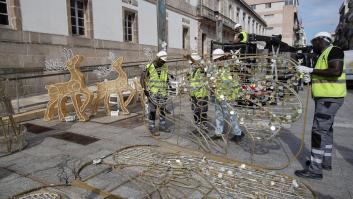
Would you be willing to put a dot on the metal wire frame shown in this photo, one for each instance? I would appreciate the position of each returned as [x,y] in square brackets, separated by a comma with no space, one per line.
[160,173]
[261,119]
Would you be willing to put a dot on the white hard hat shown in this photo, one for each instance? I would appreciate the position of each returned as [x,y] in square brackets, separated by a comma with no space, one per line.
[162,55]
[237,26]
[217,53]
[195,56]
[324,35]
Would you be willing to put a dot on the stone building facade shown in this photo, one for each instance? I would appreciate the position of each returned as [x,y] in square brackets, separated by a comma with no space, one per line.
[281,17]
[31,31]
[344,30]
[229,12]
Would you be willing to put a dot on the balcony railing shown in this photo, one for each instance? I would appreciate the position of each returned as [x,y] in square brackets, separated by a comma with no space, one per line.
[209,13]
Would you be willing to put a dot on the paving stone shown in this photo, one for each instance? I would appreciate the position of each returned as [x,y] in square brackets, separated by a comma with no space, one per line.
[11,183]
[109,119]
[42,159]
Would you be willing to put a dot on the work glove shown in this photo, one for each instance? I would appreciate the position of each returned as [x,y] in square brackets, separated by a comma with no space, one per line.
[307,78]
[304,69]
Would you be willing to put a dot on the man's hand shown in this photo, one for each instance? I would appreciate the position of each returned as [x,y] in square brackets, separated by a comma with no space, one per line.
[307,78]
[304,69]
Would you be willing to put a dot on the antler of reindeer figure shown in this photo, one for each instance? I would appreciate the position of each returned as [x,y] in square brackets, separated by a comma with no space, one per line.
[59,64]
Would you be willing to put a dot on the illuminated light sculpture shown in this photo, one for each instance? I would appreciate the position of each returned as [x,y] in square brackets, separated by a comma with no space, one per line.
[74,89]
[118,86]
[172,172]
[267,101]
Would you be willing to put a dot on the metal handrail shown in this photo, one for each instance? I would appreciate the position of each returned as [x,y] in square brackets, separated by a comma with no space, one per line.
[84,69]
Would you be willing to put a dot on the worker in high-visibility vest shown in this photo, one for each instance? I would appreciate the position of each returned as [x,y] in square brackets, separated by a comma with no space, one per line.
[155,80]
[198,92]
[240,35]
[328,91]
[226,91]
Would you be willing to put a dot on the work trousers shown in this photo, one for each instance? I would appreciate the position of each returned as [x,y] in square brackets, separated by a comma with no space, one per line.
[199,107]
[152,108]
[322,132]
[222,111]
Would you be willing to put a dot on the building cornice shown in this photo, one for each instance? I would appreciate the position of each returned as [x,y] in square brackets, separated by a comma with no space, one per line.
[252,11]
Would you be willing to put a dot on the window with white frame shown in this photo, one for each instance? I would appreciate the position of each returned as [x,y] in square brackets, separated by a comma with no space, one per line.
[77,8]
[4,15]
[186,38]
[231,12]
[238,13]
[167,31]
[130,26]
[268,5]
[253,7]
[244,17]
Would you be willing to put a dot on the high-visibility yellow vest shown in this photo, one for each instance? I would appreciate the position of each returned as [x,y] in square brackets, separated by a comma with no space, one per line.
[157,83]
[245,37]
[198,88]
[328,86]
[227,88]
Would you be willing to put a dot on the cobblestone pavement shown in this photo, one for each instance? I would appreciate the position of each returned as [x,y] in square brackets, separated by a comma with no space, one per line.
[39,163]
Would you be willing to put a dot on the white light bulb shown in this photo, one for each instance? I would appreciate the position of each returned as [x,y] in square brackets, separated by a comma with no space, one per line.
[273,128]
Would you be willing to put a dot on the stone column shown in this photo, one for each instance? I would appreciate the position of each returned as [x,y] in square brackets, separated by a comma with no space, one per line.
[219,26]
[15,17]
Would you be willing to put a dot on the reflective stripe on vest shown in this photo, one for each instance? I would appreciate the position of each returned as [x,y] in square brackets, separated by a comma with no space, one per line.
[328,86]
[245,37]
[198,88]
[157,83]
[227,88]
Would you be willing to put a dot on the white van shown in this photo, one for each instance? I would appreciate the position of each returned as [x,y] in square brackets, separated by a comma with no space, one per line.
[348,61]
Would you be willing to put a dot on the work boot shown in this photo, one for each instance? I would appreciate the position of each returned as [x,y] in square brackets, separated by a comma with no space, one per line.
[237,138]
[325,167]
[306,173]
[216,136]
[154,132]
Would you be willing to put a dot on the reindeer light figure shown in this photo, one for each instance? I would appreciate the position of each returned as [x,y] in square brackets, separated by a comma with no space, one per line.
[74,89]
[118,85]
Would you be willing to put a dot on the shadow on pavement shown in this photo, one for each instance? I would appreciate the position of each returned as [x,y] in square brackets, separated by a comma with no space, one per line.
[259,147]
[294,143]
[345,152]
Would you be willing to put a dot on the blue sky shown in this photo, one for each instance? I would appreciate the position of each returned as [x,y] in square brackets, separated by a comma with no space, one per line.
[319,15]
